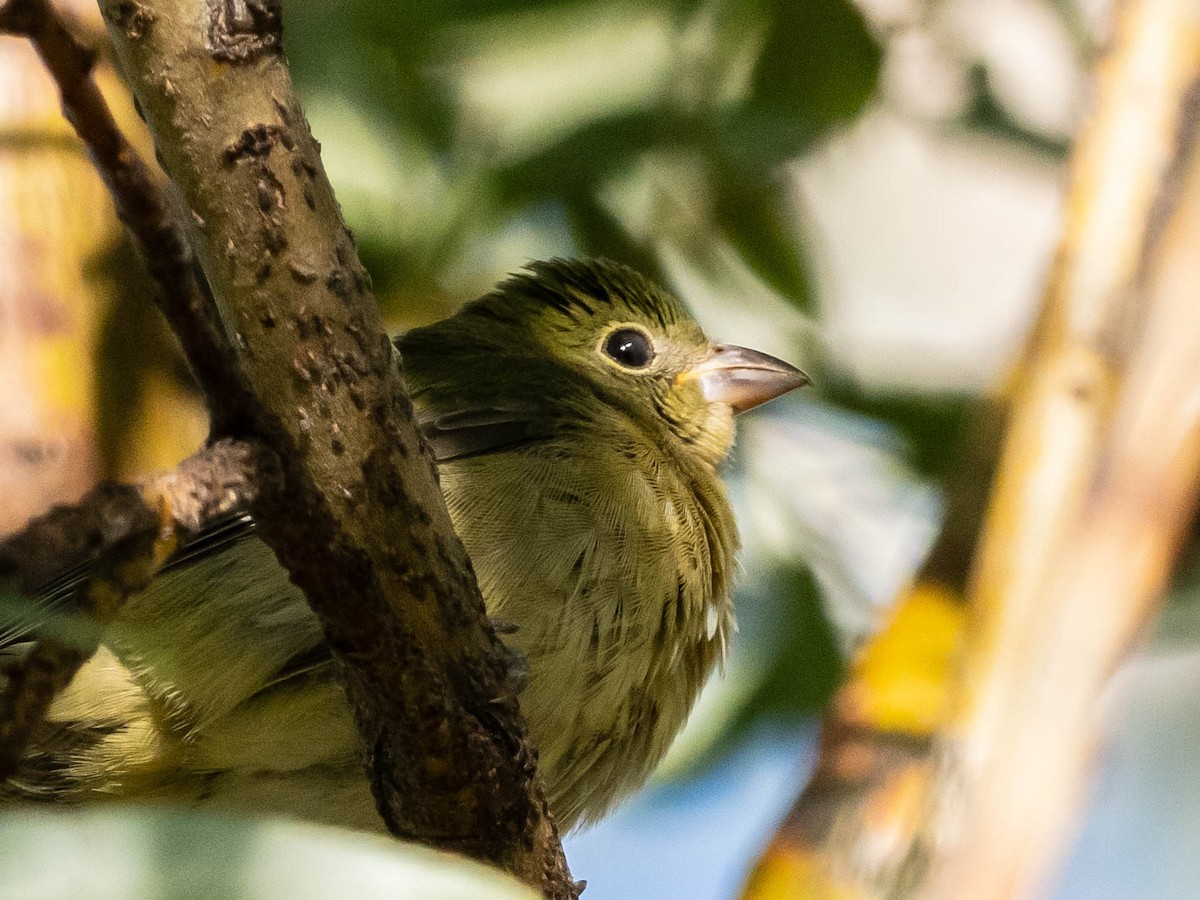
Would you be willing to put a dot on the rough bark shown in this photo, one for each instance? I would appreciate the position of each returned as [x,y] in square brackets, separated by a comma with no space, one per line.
[353,510]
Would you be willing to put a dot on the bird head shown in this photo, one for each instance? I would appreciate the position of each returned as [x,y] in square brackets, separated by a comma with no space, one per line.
[571,334]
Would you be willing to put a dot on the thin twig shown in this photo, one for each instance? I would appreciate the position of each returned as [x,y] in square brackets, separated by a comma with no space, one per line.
[125,534]
[139,202]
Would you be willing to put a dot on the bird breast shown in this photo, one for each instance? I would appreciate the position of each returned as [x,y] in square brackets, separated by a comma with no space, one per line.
[613,561]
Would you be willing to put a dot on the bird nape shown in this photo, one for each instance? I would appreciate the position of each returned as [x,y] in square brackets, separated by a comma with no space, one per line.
[579,416]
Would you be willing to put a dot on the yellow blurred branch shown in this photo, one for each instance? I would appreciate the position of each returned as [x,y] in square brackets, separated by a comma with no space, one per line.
[140,203]
[1096,480]
[1066,388]
[1112,493]
[53,215]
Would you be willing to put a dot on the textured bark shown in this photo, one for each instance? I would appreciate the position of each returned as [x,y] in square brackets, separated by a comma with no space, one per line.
[351,505]
[357,516]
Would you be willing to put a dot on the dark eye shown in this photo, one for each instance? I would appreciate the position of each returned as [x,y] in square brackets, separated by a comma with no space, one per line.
[630,347]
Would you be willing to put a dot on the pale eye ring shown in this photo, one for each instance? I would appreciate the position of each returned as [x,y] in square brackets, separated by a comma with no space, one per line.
[630,348]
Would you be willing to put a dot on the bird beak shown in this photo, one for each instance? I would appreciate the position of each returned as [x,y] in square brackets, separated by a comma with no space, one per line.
[743,378]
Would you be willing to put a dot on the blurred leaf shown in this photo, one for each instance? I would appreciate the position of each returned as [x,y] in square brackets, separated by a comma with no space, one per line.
[583,159]
[748,84]
[467,9]
[755,137]
[758,219]
[988,115]
[806,666]
[119,852]
[818,68]
[820,61]
[599,233]
[377,56]
[933,426]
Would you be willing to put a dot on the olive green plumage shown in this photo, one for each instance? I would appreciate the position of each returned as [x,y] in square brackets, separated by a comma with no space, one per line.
[608,538]
[578,456]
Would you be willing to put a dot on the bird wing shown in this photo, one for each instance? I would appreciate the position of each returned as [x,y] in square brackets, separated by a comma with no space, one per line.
[55,594]
[451,435]
[475,432]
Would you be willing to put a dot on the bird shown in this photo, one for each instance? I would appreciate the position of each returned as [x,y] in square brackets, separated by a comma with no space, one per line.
[579,418]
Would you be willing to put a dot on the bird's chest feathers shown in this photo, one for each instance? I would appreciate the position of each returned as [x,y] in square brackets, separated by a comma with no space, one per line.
[623,540]
[615,565]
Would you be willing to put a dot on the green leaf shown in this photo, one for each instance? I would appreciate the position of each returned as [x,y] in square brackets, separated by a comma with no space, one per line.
[581,160]
[935,426]
[598,233]
[378,57]
[818,68]
[755,216]
[820,61]
[807,666]
[179,855]
[988,115]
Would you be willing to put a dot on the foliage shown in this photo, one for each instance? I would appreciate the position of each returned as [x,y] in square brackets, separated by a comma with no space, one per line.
[176,855]
[521,110]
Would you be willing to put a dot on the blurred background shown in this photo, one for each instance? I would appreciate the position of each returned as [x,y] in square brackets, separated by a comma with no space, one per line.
[871,190]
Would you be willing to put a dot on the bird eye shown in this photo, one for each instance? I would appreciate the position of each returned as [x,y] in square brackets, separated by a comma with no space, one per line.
[630,347]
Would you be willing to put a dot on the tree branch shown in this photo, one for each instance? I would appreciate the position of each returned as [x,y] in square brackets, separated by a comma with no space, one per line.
[853,825]
[356,516]
[355,513]
[1015,759]
[123,535]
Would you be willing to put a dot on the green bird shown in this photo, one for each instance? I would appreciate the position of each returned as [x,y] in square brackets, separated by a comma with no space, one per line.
[579,417]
